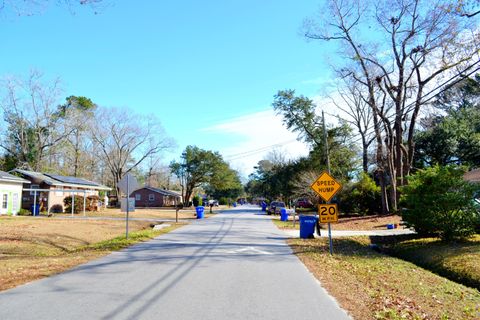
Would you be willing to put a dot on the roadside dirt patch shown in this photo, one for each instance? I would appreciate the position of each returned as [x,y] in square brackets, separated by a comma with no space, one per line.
[376,222]
[352,223]
[149,213]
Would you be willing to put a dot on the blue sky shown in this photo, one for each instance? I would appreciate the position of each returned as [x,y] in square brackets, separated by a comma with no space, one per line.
[207,69]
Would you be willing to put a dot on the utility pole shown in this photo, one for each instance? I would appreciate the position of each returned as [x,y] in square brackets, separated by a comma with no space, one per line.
[327,158]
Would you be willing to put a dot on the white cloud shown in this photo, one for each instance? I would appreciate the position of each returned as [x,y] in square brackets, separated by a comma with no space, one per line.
[259,133]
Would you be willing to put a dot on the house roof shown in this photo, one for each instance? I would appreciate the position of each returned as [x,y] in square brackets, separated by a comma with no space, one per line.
[7,177]
[472,176]
[62,181]
[161,191]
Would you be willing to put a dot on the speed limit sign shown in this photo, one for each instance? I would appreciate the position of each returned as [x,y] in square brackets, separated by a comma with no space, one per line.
[328,213]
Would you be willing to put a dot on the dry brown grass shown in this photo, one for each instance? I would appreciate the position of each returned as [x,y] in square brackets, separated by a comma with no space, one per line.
[32,248]
[149,213]
[355,223]
[375,286]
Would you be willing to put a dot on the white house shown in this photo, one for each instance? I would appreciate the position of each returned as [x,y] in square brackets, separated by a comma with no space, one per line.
[10,193]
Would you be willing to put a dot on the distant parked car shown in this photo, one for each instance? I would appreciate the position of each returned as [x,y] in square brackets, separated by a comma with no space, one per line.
[303,203]
[275,207]
[213,202]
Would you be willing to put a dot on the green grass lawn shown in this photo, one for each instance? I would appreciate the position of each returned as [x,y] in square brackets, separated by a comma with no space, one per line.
[458,261]
[134,237]
[286,224]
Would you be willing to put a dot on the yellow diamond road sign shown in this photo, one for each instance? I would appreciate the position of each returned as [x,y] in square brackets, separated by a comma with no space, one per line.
[326,186]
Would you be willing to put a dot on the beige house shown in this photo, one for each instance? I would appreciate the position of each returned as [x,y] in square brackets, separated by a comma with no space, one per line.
[52,189]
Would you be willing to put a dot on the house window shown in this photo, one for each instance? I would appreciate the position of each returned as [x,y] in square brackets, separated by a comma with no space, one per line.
[151,197]
[4,201]
[138,197]
[34,186]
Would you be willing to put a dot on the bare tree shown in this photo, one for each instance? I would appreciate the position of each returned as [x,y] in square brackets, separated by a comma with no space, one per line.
[413,46]
[32,125]
[301,186]
[32,7]
[276,156]
[158,175]
[126,139]
[357,113]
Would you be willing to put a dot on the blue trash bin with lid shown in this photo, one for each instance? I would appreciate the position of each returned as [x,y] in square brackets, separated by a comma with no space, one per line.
[307,226]
[35,209]
[264,206]
[200,212]
[283,214]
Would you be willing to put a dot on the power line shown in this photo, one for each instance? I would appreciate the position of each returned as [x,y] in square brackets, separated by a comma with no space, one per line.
[252,152]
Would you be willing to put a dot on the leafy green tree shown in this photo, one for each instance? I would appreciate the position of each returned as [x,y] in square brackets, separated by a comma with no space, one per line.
[299,115]
[453,138]
[438,201]
[361,197]
[202,168]
[224,183]
[258,183]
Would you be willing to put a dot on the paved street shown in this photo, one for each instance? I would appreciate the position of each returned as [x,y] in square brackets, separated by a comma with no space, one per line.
[235,265]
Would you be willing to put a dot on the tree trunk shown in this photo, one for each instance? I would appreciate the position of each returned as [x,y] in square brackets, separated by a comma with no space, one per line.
[364,154]
[380,159]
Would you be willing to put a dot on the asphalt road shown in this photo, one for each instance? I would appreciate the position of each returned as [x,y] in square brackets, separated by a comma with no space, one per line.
[232,266]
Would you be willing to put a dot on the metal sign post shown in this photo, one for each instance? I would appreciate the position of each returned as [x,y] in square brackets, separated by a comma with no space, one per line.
[326,186]
[328,170]
[73,202]
[128,205]
[127,183]
[35,203]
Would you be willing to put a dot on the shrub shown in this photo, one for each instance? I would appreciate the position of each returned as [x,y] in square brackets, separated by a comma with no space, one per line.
[67,202]
[438,201]
[362,197]
[24,212]
[197,201]
[223,201]
[56,208]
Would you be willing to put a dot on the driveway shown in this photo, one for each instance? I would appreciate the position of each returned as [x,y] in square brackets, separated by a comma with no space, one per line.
[235,265]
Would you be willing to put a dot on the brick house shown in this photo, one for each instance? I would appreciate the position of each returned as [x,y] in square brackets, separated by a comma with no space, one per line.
[54,188]
[472,176]
[154,197]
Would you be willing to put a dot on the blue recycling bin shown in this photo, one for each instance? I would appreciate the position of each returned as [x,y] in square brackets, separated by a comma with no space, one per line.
[264,206]
[234,204]
[35,209]
[283,214]
[200,212]
[307,226]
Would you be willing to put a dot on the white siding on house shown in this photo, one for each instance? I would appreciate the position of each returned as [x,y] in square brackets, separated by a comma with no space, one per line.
[11,195]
